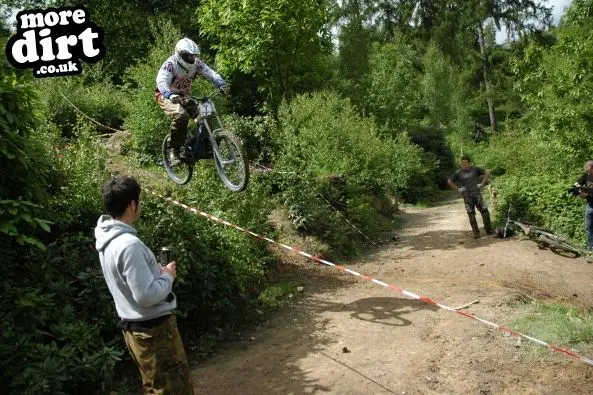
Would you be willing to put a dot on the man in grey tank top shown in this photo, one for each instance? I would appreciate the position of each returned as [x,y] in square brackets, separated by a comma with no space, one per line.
[467,182]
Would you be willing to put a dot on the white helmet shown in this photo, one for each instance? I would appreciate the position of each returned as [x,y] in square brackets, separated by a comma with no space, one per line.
[186,52]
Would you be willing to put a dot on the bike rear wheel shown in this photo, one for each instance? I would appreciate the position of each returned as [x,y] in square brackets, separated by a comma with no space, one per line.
[232,168]
[180,174]
[555,242]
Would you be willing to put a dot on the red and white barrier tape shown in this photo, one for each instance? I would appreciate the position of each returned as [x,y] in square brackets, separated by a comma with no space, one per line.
[409,294]
[86,116]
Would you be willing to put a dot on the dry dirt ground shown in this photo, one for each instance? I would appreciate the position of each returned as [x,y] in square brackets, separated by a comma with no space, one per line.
[343,335]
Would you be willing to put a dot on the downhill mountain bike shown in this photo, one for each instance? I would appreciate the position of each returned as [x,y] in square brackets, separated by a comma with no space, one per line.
[209,140]
[543,237]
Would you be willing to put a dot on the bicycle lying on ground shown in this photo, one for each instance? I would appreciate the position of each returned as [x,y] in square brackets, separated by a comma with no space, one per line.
[207,142]
[543,237]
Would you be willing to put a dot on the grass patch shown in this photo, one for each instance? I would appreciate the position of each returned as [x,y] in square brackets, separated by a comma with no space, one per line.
[557,323]
[275,295]
[422,203]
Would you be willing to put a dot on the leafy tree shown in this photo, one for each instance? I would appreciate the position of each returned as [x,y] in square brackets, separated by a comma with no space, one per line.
[556,82]
[4,24]
[395,96]
[355,39]
[272,40]
[517,16]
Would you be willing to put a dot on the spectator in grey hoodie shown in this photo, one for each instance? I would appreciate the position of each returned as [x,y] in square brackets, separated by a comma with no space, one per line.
[141,290]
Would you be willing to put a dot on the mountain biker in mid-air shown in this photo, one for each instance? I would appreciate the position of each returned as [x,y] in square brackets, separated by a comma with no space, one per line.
[173,83]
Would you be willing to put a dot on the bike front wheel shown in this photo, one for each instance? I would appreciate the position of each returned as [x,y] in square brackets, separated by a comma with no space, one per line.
[232,166]
[178,173]
[556,243]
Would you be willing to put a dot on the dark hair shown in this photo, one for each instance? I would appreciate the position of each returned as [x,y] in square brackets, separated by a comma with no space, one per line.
[118,193]
[466,157]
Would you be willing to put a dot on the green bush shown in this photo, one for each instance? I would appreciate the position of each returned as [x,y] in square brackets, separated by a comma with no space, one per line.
[103,102]
[394,94]
[544,155]
[26,164]
[322,135]
[555,83]
[58,335]
[220,269]
[542,199]
[257,133]
[322,138]
[83,163]
[57,331]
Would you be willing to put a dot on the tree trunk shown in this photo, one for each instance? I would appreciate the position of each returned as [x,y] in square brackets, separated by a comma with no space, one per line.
[486,68]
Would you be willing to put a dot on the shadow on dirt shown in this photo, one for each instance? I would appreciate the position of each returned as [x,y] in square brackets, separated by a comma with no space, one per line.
[444,240]
[381,310]
[271,361]
[358,373]
[437,238]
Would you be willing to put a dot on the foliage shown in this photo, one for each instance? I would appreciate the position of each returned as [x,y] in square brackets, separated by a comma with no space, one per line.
[323,135]
[147,122]
[355,45]
[275,296]
[220,270]
[53,340]
[84,163]
[103,102]
[395,93]
[328,142]
[24,156]
[438,87]
[273,40]
[554,83]
[14,214]
[258,135]
[535,188]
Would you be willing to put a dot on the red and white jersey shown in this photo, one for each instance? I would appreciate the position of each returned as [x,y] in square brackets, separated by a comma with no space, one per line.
[172,75]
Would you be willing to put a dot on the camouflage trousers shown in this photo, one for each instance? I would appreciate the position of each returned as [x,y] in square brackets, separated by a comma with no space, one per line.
[160,357]
[476,201]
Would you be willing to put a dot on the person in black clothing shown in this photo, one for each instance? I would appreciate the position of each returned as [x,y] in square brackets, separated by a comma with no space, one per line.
[467,182]
[586,181]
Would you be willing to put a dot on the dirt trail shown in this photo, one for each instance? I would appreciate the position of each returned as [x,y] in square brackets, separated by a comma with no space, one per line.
[346,336]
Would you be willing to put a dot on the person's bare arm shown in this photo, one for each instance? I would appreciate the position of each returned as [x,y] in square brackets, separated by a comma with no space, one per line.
[451,184]
[486,177]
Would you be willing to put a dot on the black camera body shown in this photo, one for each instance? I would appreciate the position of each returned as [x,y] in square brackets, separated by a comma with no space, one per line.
[574,191]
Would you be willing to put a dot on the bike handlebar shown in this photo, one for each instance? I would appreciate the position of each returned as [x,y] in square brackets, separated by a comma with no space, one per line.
[217,92]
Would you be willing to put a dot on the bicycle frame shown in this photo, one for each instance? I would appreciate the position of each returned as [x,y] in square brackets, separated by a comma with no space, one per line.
[207,111]
[209,140]
[544,238]
[526,229]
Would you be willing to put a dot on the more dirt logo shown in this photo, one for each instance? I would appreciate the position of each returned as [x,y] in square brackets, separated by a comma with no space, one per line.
[53,41]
